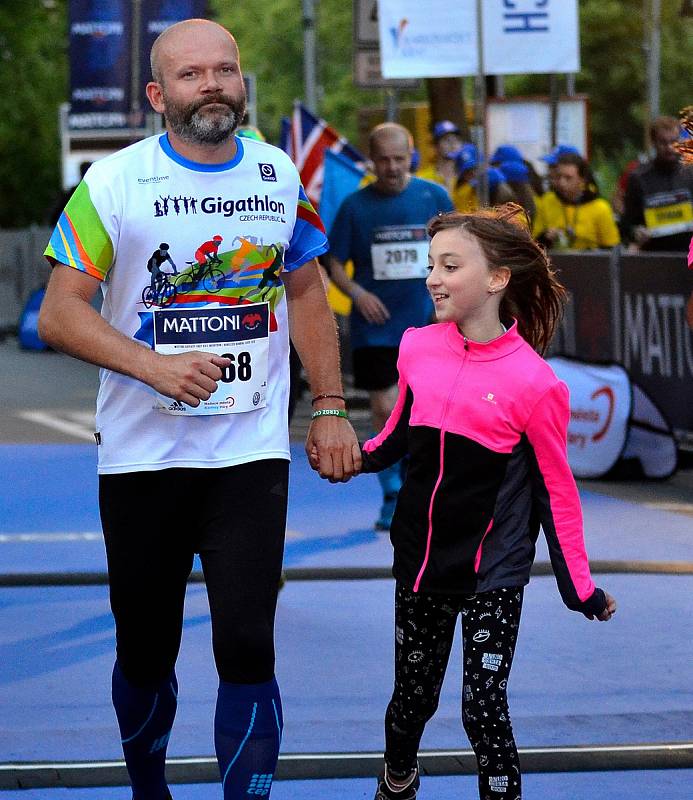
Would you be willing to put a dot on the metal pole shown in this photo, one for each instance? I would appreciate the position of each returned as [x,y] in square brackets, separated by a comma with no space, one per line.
[309,56]
[655,59]
[554,100]
[482,184]
[391,105]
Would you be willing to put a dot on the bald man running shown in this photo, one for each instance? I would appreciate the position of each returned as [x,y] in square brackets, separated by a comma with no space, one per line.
[382,229]
[192,408]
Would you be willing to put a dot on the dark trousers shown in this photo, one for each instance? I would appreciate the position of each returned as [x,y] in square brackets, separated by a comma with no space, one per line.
[154,523]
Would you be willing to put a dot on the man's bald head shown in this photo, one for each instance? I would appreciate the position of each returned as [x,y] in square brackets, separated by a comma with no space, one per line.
[390,132]
[180,34]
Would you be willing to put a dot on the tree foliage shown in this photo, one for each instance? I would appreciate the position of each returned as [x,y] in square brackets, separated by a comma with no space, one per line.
[33,79]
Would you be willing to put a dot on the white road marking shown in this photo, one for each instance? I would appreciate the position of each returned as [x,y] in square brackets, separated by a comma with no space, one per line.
[81,424]
[42,538]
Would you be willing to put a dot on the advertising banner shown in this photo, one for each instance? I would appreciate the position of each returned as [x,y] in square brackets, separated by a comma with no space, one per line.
[439,38]
[436,39]
[157,15]
[99,63]
[600,407]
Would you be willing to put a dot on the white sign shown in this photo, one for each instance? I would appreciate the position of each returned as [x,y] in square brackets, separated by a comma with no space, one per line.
[435,39]
[526,123]
[531,36]
[439,38]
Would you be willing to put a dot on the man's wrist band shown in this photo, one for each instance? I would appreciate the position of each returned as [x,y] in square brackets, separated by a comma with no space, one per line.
[329,412]
[327,397]
[356,291]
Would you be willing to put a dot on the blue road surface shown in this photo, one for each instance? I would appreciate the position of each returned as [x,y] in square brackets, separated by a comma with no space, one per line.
[573,682]
[632,785]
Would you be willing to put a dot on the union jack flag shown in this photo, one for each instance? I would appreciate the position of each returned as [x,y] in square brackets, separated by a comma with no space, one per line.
[306,138]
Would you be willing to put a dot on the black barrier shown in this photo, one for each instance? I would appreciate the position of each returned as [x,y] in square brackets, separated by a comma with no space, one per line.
[587,331]
[630,309]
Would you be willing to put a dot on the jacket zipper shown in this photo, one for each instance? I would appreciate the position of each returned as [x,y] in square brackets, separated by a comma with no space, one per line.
[441,471]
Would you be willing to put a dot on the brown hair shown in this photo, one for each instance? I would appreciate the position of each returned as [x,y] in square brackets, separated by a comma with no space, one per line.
[663,125]
[534,296]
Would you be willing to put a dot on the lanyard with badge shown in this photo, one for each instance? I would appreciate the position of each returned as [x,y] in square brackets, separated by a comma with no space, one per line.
[239,333]
[667,213]
[399,252]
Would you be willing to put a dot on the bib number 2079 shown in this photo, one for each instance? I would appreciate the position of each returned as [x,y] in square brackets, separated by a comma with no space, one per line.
[240,367]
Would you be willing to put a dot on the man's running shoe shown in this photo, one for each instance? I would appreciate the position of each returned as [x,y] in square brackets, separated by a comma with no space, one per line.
[386,512]
[384,792]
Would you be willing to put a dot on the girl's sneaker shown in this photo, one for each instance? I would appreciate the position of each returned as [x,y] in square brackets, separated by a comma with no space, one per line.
[384,792]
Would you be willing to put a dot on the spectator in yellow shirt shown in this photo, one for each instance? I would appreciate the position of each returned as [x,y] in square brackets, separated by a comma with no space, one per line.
[447,139]
[573,216]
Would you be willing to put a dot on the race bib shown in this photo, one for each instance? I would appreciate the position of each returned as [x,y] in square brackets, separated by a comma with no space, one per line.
[239,333]
[667,213]
[399,252]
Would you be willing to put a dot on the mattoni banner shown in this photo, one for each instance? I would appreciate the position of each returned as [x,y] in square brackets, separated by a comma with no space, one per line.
[439,38]
[100,33]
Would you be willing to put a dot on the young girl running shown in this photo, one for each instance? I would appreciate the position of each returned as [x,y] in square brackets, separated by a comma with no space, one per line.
[483,419]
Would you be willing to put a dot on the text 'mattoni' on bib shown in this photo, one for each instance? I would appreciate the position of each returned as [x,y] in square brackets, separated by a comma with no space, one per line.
[239,333]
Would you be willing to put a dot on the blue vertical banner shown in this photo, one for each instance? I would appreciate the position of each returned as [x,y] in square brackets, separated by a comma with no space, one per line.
[157,15]
[100,39]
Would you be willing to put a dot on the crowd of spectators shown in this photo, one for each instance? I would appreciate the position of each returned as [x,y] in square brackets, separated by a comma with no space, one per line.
[651,208]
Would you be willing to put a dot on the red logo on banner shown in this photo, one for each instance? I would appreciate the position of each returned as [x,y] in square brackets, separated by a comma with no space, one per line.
[608,392]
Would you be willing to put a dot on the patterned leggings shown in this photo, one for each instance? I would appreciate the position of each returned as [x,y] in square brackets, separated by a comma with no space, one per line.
[424,630]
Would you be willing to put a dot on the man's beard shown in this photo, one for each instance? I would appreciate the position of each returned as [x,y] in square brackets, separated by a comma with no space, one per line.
[199,128]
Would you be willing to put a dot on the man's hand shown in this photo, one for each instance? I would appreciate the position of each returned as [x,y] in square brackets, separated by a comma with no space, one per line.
[371,307]
[333,449]
[641,235]
[187,377]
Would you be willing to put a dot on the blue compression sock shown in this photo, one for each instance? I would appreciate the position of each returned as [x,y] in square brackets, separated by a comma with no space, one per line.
[247,734]
[145,717]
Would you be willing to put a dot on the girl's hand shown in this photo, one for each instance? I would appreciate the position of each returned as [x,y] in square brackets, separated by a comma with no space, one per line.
[610,609]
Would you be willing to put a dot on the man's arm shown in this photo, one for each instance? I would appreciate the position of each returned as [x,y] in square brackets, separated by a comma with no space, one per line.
[369,305]
[331,445]
[69,323]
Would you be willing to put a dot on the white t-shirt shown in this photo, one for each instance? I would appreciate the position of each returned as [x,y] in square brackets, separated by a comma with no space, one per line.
[227,232]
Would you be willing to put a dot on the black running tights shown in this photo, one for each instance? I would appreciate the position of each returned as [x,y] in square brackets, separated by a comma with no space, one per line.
[424,631]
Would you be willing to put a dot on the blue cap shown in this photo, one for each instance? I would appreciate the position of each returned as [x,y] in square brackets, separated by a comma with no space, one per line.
[558,151]
[506,152]
[444,127]
[494,176]
[466,158]
[516,171]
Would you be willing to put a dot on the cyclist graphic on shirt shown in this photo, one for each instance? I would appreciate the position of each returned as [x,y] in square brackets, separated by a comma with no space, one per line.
[156,260]
[207,252]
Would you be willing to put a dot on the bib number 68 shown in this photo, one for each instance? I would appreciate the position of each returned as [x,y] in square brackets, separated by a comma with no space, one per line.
[240,367]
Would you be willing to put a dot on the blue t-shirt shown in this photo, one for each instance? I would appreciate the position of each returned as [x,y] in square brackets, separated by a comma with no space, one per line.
[370,217]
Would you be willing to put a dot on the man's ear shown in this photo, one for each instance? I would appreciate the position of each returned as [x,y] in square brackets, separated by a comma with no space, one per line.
[155,95]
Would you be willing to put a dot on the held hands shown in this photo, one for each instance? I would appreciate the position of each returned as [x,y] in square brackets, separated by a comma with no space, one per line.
[608,611]
[333,449]
[187,377]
